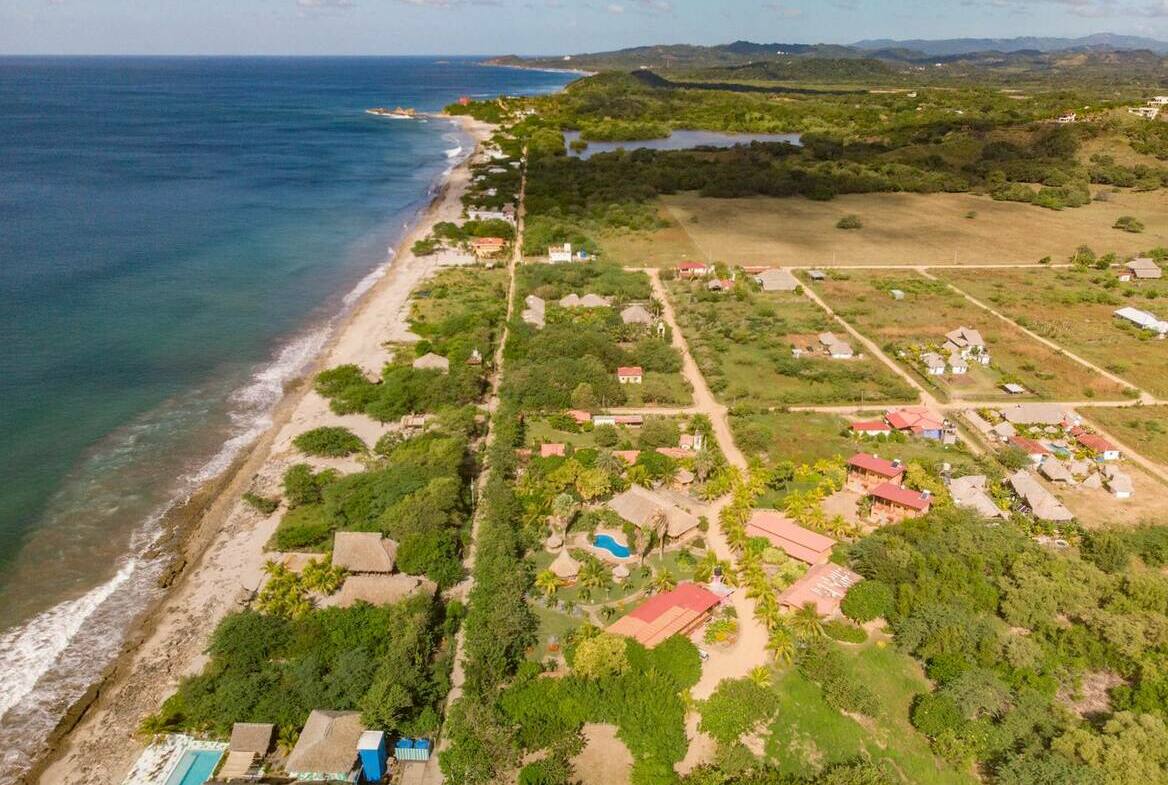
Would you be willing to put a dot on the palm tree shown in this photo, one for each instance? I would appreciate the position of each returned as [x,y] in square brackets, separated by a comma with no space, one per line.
[564,508]
[781,645]
[593,574]
[639,475]
[547,583]
[609,463]
[608,612]
[703,464]
[768,611]
[664,581]
[760,676]
[806,621]
[704,569]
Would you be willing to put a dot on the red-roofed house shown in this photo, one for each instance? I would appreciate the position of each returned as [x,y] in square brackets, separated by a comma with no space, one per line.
[1034,451]
[893,503]
[824,585]
[487,246]
[692,270]
[677,612]
[871,428]
[631,420]
[676,453]
[918,420]
[783,533]
[630,374]
[580,416]
[867,471]
[551,449]
[1103,449]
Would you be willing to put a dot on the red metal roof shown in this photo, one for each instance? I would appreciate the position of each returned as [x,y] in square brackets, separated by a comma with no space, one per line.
[1095,442]
[691,266]
[1028,446]
[870,463]
[914,418]
[630,370]
[870,425]
[914,500]
[802,544]
[687,595]
[549,449]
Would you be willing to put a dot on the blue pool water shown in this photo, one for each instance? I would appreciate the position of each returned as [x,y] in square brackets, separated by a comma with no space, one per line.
[195,767]
[608,543]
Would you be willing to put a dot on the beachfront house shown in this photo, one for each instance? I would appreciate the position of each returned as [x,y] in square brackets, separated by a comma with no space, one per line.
[487,247]
[676,612]
[250,743]
[630,374]
[866,471]
[326,750]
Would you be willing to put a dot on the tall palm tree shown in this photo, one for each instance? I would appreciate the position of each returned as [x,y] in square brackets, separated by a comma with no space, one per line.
[806,622]
[564,508]
[547,583]
[704,569]
[594,574]
[781,645]
[768,611]
[703,464]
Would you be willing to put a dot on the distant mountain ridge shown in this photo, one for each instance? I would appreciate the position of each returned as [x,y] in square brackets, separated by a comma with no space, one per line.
[961,46]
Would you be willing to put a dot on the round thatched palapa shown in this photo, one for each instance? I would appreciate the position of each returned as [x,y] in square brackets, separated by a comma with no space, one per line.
[565,567]
[620,572]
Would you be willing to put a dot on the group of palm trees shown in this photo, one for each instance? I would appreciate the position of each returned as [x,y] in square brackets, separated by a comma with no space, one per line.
[785,631]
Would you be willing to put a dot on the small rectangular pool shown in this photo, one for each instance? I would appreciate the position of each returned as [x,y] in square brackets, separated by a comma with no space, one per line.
[608,542]
[194,767]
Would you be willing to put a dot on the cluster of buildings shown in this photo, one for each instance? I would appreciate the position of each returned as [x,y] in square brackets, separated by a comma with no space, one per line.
[1151,109]
[917,421]
[563,254]
[882,481]
[962,346]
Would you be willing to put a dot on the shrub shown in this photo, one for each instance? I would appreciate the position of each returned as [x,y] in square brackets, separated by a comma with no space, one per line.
[1128,223]
[846,632]
[263,504]
[867,600]
[849,222]
[601,656]
[736,706]
[329,441]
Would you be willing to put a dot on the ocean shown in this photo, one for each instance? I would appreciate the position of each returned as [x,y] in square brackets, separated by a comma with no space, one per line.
[177,237]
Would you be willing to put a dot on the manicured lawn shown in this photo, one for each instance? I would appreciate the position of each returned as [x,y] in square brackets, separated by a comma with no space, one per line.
[930,309]
[808,734]
[1074,308]
[742,342]
[1143,428]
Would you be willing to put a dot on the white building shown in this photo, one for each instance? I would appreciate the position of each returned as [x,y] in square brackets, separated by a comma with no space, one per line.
[1143,319]
[559,254]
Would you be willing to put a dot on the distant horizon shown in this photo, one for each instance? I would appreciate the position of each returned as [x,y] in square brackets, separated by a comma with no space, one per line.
[463,27]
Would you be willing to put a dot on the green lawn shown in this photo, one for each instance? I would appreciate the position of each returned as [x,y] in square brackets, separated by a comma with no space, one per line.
[742,342]
[807,733]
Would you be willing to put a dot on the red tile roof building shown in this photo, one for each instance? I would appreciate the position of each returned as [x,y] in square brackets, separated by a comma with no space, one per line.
[824,585]
[871,427]
[893,503]
[630,374]
[867,471]
[783,533]
[551,449]
[664,615]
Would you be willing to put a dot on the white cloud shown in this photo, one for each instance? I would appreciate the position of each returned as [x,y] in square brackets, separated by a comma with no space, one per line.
[614,8]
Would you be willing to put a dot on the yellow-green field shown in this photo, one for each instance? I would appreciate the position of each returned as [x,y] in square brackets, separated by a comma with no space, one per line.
[898,229]
[1074,308]
[930,309]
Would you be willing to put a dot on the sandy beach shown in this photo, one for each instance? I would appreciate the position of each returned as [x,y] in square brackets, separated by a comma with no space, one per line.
[224,554]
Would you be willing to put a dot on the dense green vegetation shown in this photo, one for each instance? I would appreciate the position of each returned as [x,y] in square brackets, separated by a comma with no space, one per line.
[266,668]
[329,442]
[1010,631]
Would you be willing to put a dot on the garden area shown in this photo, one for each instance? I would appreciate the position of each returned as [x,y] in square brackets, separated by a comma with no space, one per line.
[742,342]
[1074,307]
[929,310]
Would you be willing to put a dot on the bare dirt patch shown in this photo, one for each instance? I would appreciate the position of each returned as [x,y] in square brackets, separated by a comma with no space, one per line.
[605,760]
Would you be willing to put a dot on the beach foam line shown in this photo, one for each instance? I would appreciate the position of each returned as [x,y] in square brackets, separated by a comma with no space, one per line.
[29,651]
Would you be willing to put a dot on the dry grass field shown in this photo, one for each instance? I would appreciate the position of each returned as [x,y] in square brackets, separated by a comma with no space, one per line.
[930,309]
[1074,308]
[1142,428]
[898,229]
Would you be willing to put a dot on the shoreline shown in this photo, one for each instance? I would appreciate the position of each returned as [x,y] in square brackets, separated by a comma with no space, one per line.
[217,539]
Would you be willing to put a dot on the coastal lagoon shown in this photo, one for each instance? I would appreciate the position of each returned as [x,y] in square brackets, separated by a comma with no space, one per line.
[180,236]
[678,140]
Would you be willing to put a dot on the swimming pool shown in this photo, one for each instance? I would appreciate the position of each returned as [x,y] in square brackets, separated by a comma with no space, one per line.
[194,767]
[608,543]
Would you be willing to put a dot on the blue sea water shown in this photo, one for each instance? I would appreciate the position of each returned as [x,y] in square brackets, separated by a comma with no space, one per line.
[175,236]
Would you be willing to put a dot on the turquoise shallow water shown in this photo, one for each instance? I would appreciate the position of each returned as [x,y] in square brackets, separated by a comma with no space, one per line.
[175,236]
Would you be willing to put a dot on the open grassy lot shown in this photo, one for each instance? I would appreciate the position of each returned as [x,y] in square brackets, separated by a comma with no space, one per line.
[805,437]
[903,228]
[808,734]
[1143,428]
[930,309]
[741,341]
[658,248]
[1074,308]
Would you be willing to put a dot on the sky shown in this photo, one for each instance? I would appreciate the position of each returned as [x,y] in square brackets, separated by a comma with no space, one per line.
[453,27]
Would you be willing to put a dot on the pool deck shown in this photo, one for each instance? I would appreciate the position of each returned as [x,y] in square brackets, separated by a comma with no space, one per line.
[159,761]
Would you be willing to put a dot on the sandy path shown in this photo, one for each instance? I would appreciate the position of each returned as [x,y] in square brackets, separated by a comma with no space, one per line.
[225,555]
[605,760]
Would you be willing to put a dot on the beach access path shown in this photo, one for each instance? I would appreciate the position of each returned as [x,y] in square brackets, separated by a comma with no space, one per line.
[225,556]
